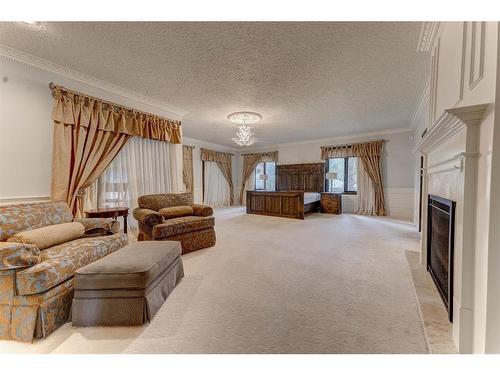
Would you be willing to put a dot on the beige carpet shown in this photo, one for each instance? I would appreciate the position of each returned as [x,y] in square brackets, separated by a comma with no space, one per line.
[328,284]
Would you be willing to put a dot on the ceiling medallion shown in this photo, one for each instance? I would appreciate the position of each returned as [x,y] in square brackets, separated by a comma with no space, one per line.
[244,136]
[244,117]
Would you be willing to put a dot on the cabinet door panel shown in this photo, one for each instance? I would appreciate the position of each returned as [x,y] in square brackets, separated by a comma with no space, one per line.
[258,203]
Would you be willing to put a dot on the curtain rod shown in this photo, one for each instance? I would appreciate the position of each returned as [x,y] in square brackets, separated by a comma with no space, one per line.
[53,87]
[348,145]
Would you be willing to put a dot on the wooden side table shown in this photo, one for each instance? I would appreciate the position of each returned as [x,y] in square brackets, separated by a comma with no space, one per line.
[331,203]
[113,212]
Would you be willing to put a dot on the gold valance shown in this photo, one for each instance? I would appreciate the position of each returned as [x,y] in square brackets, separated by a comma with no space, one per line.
[211,155]
[352,150]
[262,156]
[90,111]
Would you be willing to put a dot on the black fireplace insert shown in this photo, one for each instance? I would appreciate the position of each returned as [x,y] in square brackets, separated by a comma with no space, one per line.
[440,243]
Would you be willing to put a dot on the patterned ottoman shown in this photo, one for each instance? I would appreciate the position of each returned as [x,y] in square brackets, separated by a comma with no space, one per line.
[128,286]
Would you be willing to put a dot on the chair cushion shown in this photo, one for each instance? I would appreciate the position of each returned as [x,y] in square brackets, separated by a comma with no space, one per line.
[18,255]
[133,267]
[58,263]
[181,225]
[179,211]
[50,235]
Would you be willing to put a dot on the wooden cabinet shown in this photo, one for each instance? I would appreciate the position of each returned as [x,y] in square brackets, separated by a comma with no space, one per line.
[331,203]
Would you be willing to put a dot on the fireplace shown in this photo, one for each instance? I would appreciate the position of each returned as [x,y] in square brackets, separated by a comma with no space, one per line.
[440,236]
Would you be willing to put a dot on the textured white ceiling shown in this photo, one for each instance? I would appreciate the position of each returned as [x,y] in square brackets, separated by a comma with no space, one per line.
[308,80]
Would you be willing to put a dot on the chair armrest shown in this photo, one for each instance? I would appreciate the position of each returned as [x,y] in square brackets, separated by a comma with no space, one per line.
[15,255]
[99,226]
[147,216]
[202,210]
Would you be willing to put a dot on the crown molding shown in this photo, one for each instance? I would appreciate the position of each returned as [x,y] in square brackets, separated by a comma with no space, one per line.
[33,61]
[422,102]
[331,139]
[428,33]
[449,124]
[207,144]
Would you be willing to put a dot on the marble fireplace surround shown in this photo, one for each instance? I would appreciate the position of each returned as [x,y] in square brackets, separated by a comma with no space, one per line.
[450,149]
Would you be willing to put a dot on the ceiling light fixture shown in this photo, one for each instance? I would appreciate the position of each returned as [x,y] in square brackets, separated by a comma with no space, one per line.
[244,136]
[244,117]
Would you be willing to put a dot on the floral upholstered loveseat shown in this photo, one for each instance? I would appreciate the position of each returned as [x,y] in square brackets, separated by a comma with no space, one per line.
[36,286]
[173,217]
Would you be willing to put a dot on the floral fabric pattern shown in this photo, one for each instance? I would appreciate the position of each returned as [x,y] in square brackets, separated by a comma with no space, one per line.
[36,299]
[99,226]
[179,225]
[36,316]
[21,217]
[195,240]
[156,201]
[194,232]
[202,210]
[59,262]
[18,255]
[147,216]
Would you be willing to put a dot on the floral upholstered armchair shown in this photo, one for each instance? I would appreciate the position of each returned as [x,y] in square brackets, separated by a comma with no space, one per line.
[173,217]
[41,246]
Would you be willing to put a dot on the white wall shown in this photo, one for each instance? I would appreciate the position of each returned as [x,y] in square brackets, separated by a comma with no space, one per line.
[26,127]
[397,161]
[197,171]
[462,74]
[26,131]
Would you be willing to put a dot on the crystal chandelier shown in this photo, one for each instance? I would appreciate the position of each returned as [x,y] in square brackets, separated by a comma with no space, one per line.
[244,136]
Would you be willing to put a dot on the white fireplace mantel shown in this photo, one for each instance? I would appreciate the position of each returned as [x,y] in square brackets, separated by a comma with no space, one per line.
[450,149]
[450,123]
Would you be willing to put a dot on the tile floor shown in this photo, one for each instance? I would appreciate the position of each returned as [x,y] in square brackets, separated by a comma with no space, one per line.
[438,329]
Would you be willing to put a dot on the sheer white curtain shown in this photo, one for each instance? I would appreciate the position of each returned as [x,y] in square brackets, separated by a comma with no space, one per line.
[217,192]
[250,185]
[143,166]
[366,192]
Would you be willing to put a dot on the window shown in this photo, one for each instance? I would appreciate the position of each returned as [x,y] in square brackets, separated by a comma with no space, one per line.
[265,169]
[143,166]
[347,175]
